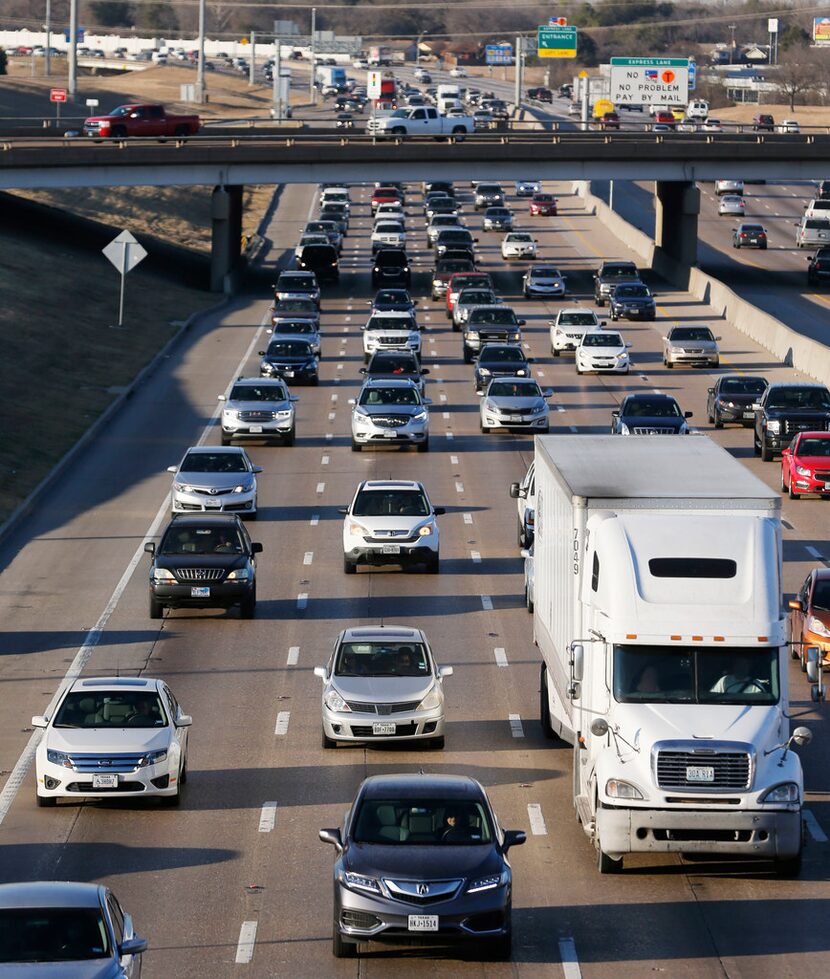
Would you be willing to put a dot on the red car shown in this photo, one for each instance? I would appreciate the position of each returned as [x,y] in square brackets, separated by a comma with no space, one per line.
[609,120]
[667,118]
[810,617]
[543,205]
[385,195]
[805,465]
[465,280]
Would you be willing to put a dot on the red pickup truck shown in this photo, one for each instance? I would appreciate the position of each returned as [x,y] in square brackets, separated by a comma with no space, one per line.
[141,120]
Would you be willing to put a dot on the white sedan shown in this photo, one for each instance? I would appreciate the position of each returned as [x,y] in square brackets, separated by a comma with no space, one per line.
[527,188]
[518,244]
[732,205]
[111,738]
[458,72]
[789,126]
[602,351]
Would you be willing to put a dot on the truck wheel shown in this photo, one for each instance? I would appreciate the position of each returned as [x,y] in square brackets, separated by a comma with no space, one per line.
[398,131]
[554,351]
[118,132]
[459,132]
[181,131]
[156,608]
[606,864]
[349,567]
[789,867]
[468,357]
[766,455]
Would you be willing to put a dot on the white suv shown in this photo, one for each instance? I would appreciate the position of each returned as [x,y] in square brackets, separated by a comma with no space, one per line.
[391,330]
[570,326]
[112,737]
[388,234]
[390,522]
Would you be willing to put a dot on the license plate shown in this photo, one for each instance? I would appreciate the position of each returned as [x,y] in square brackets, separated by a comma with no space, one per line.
[213,503]
[700,773]
[391,549]
[288,373]
[390,435]
[383,727]
[749,414]
[105,781]
[423,922]
[200,592]
[513,418]
[255,429]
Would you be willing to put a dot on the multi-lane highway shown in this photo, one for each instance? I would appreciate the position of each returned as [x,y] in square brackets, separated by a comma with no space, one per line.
[235,881]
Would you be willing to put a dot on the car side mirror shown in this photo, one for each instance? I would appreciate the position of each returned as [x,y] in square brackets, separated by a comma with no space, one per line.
[352,401]
[688,414]
[603,322]
[615,414]
[260,353]
[184,720]
[628,344]
[426,401]
[445,671]
[132,946]
[343,509]
[294,397]
[425,370]
[320,671]
[513,837]
[547,393]
[522,322]
[172,469]
[150,547]
[796,604]
[718,338]
[439,511]
[40,720]
[256,547]
[221,397]
[332,836]
[710,390]
[363,370]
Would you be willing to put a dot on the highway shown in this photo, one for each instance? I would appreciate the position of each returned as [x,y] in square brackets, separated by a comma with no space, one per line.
[201,878]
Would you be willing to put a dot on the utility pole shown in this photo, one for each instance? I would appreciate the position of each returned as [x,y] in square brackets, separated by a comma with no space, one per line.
[252,65]
[200,67]
[312,91]
[72,84]
[732,45]
[517,95]
[47,65]
[277,81]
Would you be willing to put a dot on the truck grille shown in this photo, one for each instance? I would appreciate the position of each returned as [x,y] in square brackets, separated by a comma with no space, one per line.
[257,416]
[200,574]
[389,421]
[730,769]
[791,426]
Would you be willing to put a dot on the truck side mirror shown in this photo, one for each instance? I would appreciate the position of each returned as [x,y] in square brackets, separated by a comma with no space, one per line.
[577,661]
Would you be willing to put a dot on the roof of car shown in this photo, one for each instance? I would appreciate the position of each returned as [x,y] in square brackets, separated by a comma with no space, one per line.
[261,381]
[199,519]
[114,681]
[369,632]
[400,314]
[422,786]
[393,382]
[777,385]
[50,894]
[209,449]
[386,484]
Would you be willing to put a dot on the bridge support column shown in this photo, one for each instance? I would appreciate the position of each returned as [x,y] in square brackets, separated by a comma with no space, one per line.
[226,236]
[677,205]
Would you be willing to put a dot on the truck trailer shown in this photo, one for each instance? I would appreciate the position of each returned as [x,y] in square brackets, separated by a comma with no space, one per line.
[658,614]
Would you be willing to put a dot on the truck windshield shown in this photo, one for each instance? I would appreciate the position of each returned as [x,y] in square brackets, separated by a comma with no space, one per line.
[696,675]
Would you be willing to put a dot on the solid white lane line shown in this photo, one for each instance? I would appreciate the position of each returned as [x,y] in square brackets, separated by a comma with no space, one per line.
[570,963]
[321,488]
[324,461]
[267,817]
[293,655]
[459,487]
[93,636]
[813,827]
[476,557]
[281,726]
[315,519]
[501,656]
[245,945]
[308,557]
[487,603]
[302,600]
[516,729]
[537,820]
[468,518]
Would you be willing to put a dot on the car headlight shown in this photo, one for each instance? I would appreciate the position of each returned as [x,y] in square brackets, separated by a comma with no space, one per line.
[182,487]
[484,371]
[774,425]
[431,701]
[817,626]
[419,416]
[516,335]
[415,338]
[152,758]
[683,430]
[617,788]
[358,529]
[58,758]
[241,574]
[802,471]
[426,530]
[521,372]
[785,792]
[334,701]
[161,576]
[538,409]
[362,413]
[285,412]
[230,413]
[359,882]
[622,356]
[487,883]
[472,334]
[243,488]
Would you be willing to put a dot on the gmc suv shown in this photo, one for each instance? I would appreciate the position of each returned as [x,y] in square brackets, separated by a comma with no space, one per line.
[612,274]
[785,410]
[489,324]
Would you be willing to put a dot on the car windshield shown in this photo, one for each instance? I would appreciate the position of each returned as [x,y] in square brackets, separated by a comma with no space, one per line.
[813,446]
[390,396]
[111,708]
[818,398]
[697,333]
[391,503]
[545,272]
[513,389]
[201,540]
[471,282]
[696,675]
[619,272]
[498,315]
[652,408]
[313,240]
[399,297]
[295,305]
[290,282]
[454,234]
[392,364]
[382,659]
[52,935]
[577,319]
[422,822]
[454,265]
[289,348]
[543,198]
[631,292]
[602,340]
[512,355]
[213,462]
[444,221]
[390,323]
[256,392]
[488,189]
[743,385]
[324,226]
[475,297]
[519,237]
[497,212]
[821,594]
[294,326]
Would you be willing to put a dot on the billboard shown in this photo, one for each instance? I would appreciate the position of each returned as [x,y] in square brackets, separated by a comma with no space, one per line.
[821,30]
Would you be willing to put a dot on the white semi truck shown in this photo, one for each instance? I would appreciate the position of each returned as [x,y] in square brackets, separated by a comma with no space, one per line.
[658,613]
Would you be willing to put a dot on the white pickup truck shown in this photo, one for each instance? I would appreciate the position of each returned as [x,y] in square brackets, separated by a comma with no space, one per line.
[421,121]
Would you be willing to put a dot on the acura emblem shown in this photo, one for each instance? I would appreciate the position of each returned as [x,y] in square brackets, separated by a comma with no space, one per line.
[423,889]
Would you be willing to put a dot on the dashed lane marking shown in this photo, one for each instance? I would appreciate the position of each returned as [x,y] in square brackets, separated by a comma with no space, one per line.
[281,727]
[468,518]
[476,557]
[813,827]
[501,656]
[321,488]
[246,943]
[315,519]
[267,817]
[537,820]
[302,601]
[516,729]
[570,962]
[487,603]
[293,656]
[308,557]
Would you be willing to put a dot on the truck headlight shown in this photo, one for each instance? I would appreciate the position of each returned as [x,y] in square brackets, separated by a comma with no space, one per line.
[774,425]
[472,334]
[617,788]
[817,626]
[161,576]
[785,792]
[431,701]
[334,701]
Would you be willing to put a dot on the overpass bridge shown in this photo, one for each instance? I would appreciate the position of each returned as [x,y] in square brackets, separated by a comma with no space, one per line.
[675,161]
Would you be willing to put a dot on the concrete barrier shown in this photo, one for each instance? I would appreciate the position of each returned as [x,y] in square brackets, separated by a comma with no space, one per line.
[786,344]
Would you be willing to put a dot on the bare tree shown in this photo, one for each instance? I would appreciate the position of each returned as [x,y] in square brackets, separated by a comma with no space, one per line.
[799,71]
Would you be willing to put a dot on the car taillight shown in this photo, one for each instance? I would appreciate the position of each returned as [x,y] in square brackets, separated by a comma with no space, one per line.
[743,234]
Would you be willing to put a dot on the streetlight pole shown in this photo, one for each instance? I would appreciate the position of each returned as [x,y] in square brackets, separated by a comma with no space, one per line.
[252,65]
[312,91]
[72,84]
[732,45]
[47,66]
[200,68]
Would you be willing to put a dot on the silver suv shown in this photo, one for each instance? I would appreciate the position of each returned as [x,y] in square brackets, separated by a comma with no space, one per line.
[258,408]
[390,412]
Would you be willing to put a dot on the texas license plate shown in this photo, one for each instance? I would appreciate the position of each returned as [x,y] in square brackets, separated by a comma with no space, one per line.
[255,429]
[391,549]
[105,781]
[390,435]
[383,727]
[288,373]
[210,504]
[749,414]
[423,922]
[200,592]
[700,773]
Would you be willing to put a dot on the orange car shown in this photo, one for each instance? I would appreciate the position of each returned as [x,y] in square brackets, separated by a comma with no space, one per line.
[810,617]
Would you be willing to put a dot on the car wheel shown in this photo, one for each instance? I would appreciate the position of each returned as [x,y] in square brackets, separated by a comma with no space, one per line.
[669,365]
[340,948]
[600,302]
[614,317]
[791,492]
[755,446]
[46,802]
[483,427]
[226,439]
[763,248]
[183,772]
[433,564]
[716,418]
[326,741]
[156,608]
[788,867]
[437,744]
[578,370]
[528,600]
[766,455]
[289,438]
[501,948]
[468,357]
[737,244]
[554,351]
[522,538]
[350,567]
[247,607]
[424,446]
[356,446]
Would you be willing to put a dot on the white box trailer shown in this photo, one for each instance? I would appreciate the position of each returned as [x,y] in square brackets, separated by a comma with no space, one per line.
[657,590]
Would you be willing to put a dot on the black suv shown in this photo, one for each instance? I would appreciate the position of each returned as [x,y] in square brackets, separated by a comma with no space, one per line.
[649,414]
[204,560]
[785,410]
[291,358]
[391,268]
[321,260]
[610,275]
[818,271]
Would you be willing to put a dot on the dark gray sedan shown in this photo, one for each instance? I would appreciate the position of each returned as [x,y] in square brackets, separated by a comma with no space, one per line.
[632,302]
[422,856]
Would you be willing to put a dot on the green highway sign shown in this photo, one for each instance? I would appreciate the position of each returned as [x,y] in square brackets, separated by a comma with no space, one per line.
[556,41]
[652,62]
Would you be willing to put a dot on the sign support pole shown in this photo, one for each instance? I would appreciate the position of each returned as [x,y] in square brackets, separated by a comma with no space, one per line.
[123,271]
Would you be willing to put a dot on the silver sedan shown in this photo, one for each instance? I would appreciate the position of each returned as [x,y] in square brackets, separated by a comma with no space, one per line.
[212,479]
[732,205]
[515,402]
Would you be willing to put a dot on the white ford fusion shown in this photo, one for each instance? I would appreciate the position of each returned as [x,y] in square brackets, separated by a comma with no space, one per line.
[112,737]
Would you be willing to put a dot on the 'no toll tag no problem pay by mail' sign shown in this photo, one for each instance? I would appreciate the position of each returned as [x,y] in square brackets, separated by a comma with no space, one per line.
[664,81]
